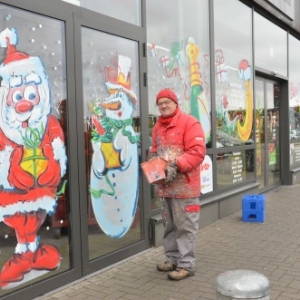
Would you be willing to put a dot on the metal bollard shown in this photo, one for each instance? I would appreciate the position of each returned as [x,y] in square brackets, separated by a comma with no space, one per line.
[242,284]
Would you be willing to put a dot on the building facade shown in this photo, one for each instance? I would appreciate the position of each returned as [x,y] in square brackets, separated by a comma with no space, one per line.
[78,82]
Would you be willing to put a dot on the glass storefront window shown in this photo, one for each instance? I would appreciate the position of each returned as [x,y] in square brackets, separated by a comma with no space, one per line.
[234,167]
[178,56]
[124,10]
[111,108]
[270,49]
[33,149]
[294,101]
[234,73]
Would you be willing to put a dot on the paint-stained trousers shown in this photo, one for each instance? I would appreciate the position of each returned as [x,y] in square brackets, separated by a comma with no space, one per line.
[181,223]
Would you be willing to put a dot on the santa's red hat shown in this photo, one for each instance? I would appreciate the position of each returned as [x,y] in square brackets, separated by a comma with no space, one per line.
[9,40]
[12,54]
[18,63]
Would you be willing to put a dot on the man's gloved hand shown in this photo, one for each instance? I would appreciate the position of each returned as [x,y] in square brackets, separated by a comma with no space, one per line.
[151,156]
[171,172]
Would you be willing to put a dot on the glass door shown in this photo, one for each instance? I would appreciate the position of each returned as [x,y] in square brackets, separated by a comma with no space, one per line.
[267,103]
[110,81]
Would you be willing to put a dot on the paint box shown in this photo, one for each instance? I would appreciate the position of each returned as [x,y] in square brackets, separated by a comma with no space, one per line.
[154,170]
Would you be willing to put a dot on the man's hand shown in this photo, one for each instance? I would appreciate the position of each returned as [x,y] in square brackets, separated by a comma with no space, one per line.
[171,172]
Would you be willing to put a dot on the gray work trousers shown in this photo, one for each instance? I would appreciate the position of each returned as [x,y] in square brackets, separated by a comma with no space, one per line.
[181,226]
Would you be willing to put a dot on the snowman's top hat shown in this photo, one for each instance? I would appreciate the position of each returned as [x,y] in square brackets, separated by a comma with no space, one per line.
[124,80]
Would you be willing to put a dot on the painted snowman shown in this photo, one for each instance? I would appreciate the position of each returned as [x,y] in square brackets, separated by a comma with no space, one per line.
[114,167]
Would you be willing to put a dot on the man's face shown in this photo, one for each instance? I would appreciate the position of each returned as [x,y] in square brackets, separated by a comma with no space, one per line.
[166,106]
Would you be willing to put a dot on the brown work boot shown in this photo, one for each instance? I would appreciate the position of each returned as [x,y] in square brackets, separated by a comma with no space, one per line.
[180,273]
[166,267]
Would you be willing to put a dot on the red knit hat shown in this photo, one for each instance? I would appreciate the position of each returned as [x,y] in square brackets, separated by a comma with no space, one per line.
[167,93]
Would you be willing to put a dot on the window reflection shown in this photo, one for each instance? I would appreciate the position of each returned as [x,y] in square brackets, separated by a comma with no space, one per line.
[234,74]
[294,101]
[270,49]
[125,10]
[234,167]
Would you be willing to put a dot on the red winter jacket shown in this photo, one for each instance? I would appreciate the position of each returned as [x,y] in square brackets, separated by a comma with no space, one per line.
[182,141]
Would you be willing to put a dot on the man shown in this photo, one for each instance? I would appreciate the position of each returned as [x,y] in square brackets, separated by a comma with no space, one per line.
[179,139]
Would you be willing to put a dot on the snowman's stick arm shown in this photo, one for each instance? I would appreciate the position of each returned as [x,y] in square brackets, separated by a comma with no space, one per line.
[98,193]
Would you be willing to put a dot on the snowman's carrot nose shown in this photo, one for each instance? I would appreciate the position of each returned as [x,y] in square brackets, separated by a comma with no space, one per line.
[112,105]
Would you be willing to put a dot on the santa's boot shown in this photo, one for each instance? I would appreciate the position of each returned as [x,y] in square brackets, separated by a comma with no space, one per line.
[46,257]
[15,268]
[28,254]
[20,263]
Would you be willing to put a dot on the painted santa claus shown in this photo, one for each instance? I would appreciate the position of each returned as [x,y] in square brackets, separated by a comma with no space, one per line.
[32,160]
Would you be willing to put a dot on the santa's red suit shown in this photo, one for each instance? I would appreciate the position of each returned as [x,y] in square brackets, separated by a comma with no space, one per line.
[32,162]
[25,206]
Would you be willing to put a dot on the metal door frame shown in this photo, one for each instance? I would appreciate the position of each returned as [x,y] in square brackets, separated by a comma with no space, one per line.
[283,128]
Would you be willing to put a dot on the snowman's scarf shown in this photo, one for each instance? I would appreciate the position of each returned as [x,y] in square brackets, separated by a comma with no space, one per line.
[117,125]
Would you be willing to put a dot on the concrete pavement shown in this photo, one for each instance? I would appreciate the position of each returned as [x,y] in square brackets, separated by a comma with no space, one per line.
[271,248]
